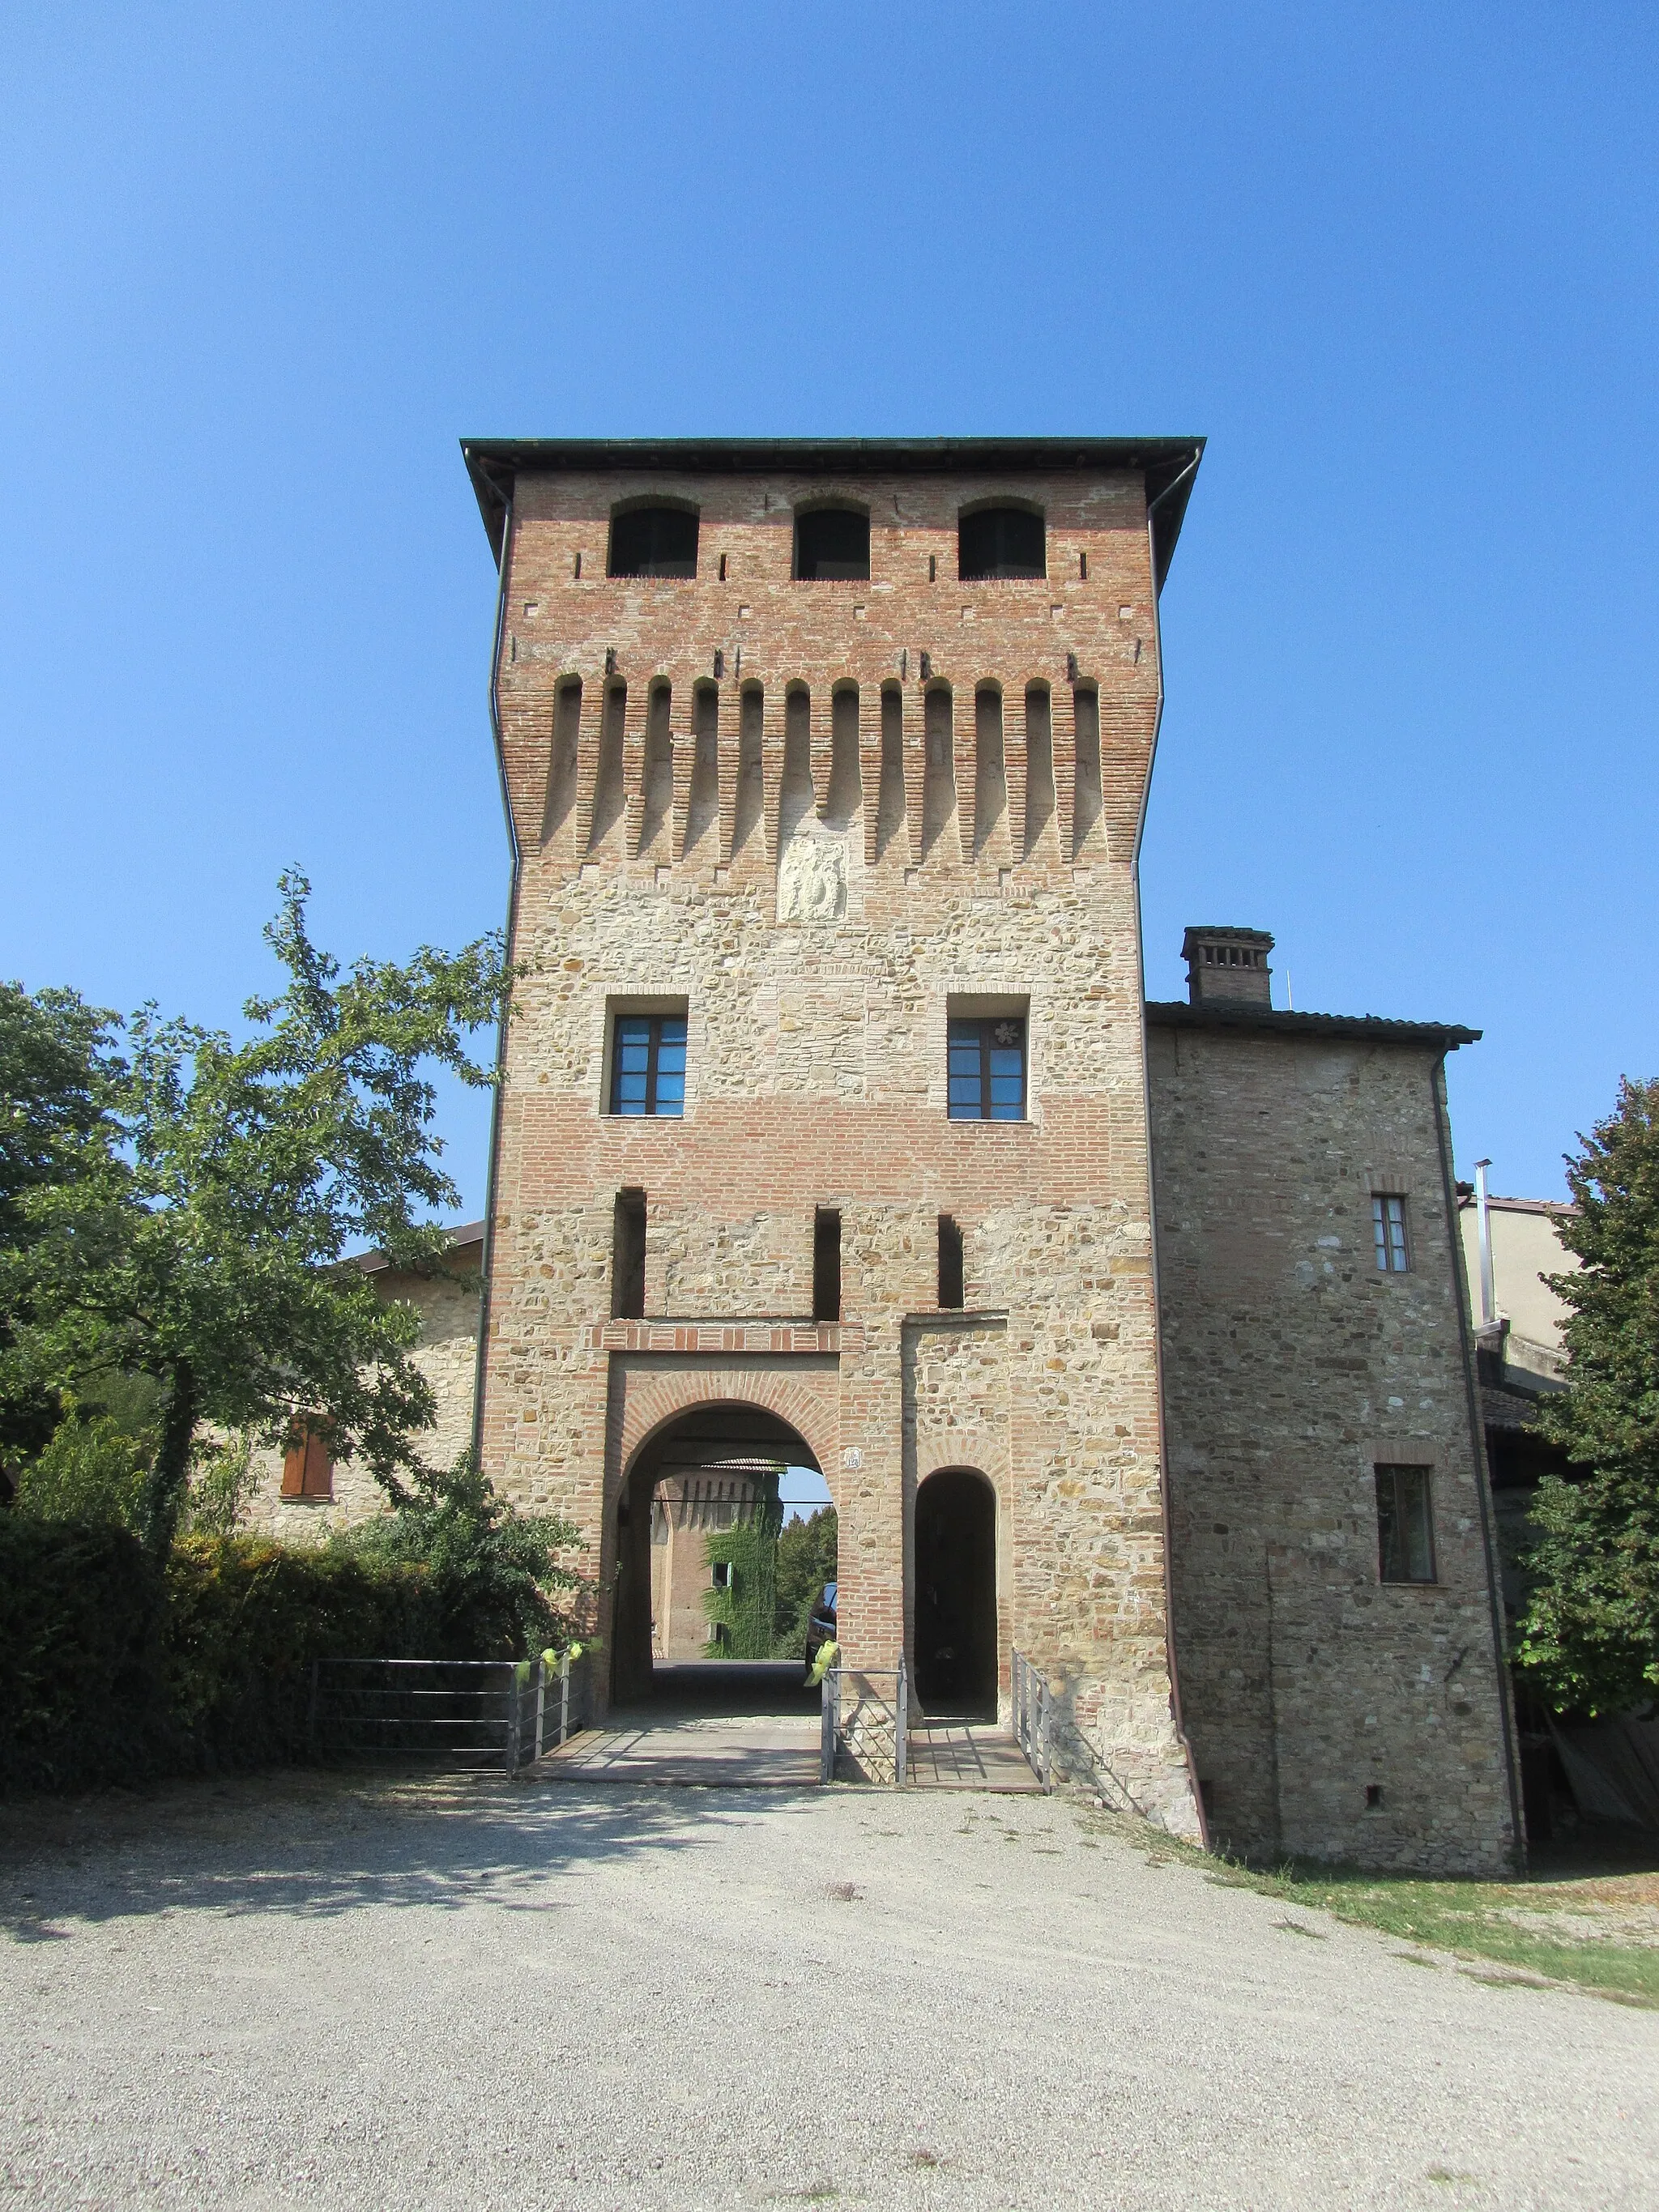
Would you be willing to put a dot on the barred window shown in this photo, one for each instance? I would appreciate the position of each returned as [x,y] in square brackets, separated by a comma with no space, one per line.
[1404,1525]
[1388,1228]
[647,1066]
[988,1069]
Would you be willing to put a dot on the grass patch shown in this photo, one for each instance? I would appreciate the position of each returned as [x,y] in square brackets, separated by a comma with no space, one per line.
[1484,1920]
[1501,1924]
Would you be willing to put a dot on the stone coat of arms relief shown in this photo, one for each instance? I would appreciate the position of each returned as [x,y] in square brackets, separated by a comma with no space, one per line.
[812,879]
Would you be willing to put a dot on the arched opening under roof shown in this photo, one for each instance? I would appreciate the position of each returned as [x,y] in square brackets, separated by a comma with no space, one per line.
[653,541]
[832,545]
[725,1541]
[1001,541]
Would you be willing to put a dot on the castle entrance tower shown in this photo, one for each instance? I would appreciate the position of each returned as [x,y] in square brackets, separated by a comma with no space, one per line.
[824,1099]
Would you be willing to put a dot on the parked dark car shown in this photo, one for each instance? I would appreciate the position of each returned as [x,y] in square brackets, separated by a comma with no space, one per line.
[821,1623]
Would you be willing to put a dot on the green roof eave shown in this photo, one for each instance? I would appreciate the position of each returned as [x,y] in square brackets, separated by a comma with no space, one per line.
[1241,1014]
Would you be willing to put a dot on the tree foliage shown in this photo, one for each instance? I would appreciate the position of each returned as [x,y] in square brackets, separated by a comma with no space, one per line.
[57,1062]
[806,1560]
[89,1471]
[500,1572]
[743,1609]
[183,1212]
[1590,1635]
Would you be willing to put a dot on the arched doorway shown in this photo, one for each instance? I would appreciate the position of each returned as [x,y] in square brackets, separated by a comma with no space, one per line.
[956,1630]
[699,1534]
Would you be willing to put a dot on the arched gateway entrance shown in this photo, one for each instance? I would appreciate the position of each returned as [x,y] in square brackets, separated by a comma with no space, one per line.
[956,1617]
[705,1482]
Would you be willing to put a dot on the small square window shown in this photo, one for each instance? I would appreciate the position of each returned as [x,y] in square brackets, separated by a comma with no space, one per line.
[987,1068]
[1388,1229]
[647,1065]
[722,1574]
[1404,1525]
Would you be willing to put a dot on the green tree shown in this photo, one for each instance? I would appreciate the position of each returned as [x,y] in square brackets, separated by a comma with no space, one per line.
[190,1223]
[1591,1634]
[57,1066]
[88,1470]
[497,1575]
[744,1605]
[806,1560]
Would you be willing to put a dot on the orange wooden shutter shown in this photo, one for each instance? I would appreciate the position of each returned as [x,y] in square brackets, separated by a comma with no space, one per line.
[294,1465]
[317,1479]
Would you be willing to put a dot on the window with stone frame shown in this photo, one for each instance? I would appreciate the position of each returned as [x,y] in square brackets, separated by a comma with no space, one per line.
[1388,1232]
[647,1065]
[1404,1525]
[986,1067]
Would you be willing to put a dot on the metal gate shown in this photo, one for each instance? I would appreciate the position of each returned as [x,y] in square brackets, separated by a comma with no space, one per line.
[865,1721]
[479,1715]
[1033,1716]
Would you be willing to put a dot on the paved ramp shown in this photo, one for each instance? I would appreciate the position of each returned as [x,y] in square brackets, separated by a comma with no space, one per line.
[942,1754]
[761,1751]
[726,1723]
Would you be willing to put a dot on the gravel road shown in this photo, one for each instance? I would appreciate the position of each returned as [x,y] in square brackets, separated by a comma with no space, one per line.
[322,1992]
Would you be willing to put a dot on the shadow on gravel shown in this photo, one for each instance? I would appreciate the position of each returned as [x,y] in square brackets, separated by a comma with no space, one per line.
[317,1845]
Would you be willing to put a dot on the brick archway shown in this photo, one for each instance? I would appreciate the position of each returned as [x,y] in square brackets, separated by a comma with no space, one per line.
[651,1394]
[649,1401]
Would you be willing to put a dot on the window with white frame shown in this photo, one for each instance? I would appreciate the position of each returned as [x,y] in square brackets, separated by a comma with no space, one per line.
[1388,1232]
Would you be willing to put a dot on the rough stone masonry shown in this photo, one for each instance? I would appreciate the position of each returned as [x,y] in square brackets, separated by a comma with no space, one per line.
[826,765]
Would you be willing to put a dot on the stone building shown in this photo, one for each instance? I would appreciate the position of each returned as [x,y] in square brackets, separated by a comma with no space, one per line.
[1337,1629]
[833,1127]
[305,1492]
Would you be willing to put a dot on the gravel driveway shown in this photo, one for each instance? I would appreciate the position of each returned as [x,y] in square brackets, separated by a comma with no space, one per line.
[318,1991]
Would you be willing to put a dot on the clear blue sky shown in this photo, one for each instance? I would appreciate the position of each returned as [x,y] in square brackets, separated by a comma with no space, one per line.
[259,270]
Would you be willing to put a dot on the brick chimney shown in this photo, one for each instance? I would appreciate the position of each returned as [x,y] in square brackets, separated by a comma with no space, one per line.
[1228,964]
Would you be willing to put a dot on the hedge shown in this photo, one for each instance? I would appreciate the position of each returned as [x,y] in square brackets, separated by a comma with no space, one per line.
[118,1670]
[81,1659]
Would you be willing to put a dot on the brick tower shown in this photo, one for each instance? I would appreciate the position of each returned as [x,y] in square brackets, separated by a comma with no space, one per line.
[823,1130]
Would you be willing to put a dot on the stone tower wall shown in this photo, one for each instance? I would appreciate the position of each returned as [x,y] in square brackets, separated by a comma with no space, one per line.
[1293,1368]
[818,813]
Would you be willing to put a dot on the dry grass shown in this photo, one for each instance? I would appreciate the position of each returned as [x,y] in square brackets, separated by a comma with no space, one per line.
[1586,1913]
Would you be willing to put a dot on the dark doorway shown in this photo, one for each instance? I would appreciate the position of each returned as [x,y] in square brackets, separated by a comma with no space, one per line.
[956,1648]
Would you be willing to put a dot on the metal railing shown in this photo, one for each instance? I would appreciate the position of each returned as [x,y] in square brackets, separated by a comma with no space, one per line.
[479,1714]
[1033,1703]
[865,1725]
